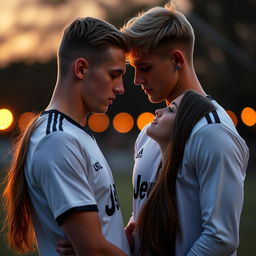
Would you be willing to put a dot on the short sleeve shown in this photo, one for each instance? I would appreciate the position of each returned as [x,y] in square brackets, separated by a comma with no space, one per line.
[60,170]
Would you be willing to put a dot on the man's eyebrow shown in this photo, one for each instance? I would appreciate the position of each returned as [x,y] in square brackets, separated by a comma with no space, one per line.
[119,71]
[140,63]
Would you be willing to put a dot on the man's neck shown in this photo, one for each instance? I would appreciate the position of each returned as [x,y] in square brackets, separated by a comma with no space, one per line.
[67,102]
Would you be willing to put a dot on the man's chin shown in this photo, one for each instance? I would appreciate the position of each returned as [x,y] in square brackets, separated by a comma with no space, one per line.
[101,110]
[155,100]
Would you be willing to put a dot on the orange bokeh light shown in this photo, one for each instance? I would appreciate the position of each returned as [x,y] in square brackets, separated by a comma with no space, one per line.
[98,122]
[6,119]
[123,122]
[233,116]
[248,116]
[144,119]
[25,119]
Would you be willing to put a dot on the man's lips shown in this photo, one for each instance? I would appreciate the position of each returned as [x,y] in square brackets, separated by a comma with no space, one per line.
[111,100]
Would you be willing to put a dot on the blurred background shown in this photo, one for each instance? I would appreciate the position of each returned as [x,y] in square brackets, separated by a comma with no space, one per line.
[225,61]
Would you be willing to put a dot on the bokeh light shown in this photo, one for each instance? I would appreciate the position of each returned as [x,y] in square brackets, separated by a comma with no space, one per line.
[144,119]
[123,122]
[98,122]
[25,119]
[248,116]
[233,116]
[6,119]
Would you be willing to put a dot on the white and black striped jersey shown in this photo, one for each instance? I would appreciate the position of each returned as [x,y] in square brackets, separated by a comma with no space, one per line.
[65,172]
[209,185]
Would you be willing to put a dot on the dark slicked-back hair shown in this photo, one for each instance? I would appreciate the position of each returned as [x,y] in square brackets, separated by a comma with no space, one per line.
[89,38]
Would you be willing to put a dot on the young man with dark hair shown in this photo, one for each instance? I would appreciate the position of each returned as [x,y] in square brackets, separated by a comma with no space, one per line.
[59,184]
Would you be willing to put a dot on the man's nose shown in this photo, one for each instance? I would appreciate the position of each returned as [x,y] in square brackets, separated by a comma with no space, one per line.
[119,88]
[138,79]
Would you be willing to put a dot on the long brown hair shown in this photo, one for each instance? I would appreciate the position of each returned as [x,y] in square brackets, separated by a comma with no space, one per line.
[16,202]
[158,221]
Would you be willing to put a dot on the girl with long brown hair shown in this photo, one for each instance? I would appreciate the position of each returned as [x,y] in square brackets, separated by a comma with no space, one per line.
[158,222]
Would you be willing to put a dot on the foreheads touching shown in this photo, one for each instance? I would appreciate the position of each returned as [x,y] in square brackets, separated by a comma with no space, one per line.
[89,38]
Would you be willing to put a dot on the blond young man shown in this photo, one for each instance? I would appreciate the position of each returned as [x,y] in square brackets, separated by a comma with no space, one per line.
[207,202]
[59,184]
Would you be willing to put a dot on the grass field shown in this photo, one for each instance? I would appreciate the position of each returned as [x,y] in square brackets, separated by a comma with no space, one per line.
[124,188]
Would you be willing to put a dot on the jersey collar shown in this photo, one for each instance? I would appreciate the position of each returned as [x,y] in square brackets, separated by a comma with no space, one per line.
[71,120]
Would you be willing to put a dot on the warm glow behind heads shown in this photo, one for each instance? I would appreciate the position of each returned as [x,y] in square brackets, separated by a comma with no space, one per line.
[6,119]
[29,25]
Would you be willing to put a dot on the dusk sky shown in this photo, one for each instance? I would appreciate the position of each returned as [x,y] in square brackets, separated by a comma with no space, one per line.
[30,30]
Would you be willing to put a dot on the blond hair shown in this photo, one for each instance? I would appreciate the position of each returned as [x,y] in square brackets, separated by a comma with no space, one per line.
[157,26]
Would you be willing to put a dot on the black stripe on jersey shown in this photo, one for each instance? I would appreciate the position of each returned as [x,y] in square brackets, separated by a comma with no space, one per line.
[216,117]
[86,208]
[61,123]
[208,118]
[49,123]
[52,123]
[54,129]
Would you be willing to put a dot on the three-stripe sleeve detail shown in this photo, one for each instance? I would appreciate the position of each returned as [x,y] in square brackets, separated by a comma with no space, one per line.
[54,123]
[212,117]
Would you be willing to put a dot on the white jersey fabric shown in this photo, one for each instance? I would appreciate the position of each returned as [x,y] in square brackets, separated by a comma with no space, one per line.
[209,185]
[65,172]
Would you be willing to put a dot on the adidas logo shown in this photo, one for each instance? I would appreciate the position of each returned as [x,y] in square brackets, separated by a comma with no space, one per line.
[139,154]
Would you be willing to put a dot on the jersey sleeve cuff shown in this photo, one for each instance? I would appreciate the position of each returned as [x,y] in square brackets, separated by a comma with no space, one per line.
[86,208]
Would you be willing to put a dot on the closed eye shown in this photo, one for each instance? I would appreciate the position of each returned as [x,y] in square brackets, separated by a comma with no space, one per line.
[116,74]
[144,68]
[172,107]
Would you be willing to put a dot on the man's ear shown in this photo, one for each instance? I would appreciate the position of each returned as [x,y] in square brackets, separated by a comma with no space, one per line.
[81,66]
[177,58]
